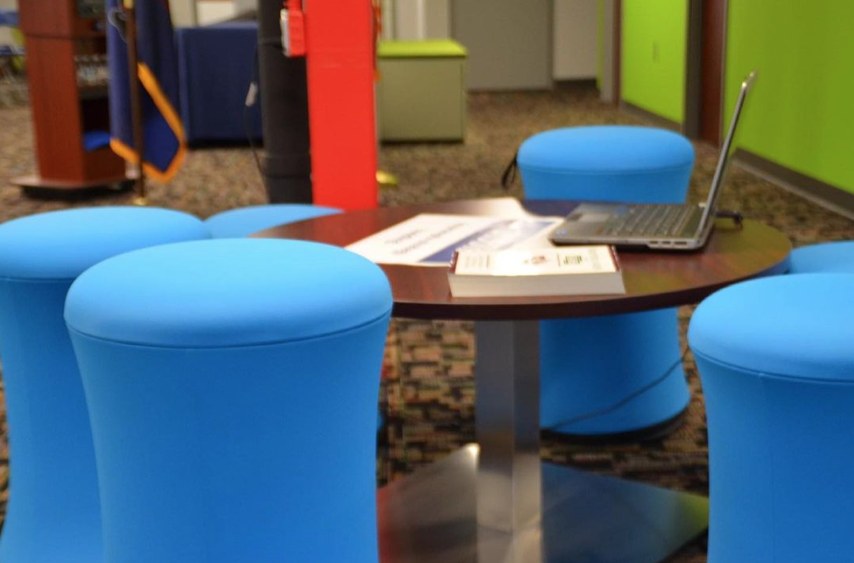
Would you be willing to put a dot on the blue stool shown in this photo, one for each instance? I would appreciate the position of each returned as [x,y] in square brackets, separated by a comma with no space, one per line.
[232,388]
[53,512]
[616,374]
[244,221]
[776,361]
[828,257]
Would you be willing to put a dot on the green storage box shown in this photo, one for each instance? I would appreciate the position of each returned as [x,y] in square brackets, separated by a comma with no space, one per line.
[421,92]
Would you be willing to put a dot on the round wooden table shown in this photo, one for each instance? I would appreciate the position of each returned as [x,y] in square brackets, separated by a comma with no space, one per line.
[653,279]
[495,501]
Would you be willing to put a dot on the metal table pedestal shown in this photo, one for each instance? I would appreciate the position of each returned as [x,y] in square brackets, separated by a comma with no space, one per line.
[496,502]
[430,516]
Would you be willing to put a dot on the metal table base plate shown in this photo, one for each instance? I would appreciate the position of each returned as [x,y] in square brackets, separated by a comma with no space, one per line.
[430,517]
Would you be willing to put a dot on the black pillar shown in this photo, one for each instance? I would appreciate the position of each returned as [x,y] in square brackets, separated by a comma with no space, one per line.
[284,111]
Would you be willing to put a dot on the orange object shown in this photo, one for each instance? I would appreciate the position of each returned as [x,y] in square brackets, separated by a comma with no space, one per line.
[340,69]
[296,29]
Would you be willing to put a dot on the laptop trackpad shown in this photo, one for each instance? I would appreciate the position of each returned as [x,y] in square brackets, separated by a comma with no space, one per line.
[592,217]
[584,221]
[595,213]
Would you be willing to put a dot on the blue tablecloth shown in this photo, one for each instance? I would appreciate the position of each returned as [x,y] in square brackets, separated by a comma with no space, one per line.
[216,66]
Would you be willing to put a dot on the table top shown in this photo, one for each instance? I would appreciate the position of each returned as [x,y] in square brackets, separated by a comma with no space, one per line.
[652,279]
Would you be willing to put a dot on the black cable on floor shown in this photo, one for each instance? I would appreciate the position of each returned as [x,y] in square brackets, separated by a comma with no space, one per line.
[251,99]
[622,402]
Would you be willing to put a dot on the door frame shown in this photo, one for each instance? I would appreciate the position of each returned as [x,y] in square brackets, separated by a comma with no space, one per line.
[704,79]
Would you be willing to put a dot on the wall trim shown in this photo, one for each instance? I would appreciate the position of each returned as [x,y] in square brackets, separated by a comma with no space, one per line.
[826,195]
[693,66]
[578,82]
[722,93]
[646,115]
[617,50]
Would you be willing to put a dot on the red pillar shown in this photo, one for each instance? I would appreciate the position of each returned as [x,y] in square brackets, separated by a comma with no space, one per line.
[340,68]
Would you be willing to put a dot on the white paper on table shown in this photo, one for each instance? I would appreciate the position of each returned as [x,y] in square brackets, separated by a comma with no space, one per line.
[430,239]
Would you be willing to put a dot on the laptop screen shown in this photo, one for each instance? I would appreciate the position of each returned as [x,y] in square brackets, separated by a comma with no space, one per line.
[723,160]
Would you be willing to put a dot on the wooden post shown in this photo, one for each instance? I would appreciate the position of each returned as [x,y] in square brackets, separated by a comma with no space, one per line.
[135,102]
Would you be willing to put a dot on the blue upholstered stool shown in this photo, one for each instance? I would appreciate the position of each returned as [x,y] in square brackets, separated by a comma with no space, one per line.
[617,374]
[776,360]
[53,513]
[827,257]
[232,387]
[244,221]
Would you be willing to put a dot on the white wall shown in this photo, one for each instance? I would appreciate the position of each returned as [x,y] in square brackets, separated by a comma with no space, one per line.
[509,42]
[187,13]
[574,31]
[183,13]
[421,19]
[5,33]
[388,19]
[212,12]
[437,16]
[241,6]
[409,24]
[574,39]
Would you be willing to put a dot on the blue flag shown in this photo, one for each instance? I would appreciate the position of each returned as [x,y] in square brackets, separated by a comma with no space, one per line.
[163,141]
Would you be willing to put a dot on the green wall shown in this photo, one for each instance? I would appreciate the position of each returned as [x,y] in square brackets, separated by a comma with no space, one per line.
[800,113]
[654,47]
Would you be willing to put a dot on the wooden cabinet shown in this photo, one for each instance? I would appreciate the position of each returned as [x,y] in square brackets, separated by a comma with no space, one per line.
[68,78]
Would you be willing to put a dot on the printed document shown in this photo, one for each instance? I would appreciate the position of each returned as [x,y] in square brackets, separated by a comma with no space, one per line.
[430,239]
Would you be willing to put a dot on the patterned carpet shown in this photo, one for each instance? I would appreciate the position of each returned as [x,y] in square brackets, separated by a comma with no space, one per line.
[428,391]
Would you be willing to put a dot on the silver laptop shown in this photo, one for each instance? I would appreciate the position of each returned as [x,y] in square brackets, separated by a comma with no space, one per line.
[657,226]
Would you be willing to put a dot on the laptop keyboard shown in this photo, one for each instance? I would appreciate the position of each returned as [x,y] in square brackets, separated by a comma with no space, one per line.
[649,220]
